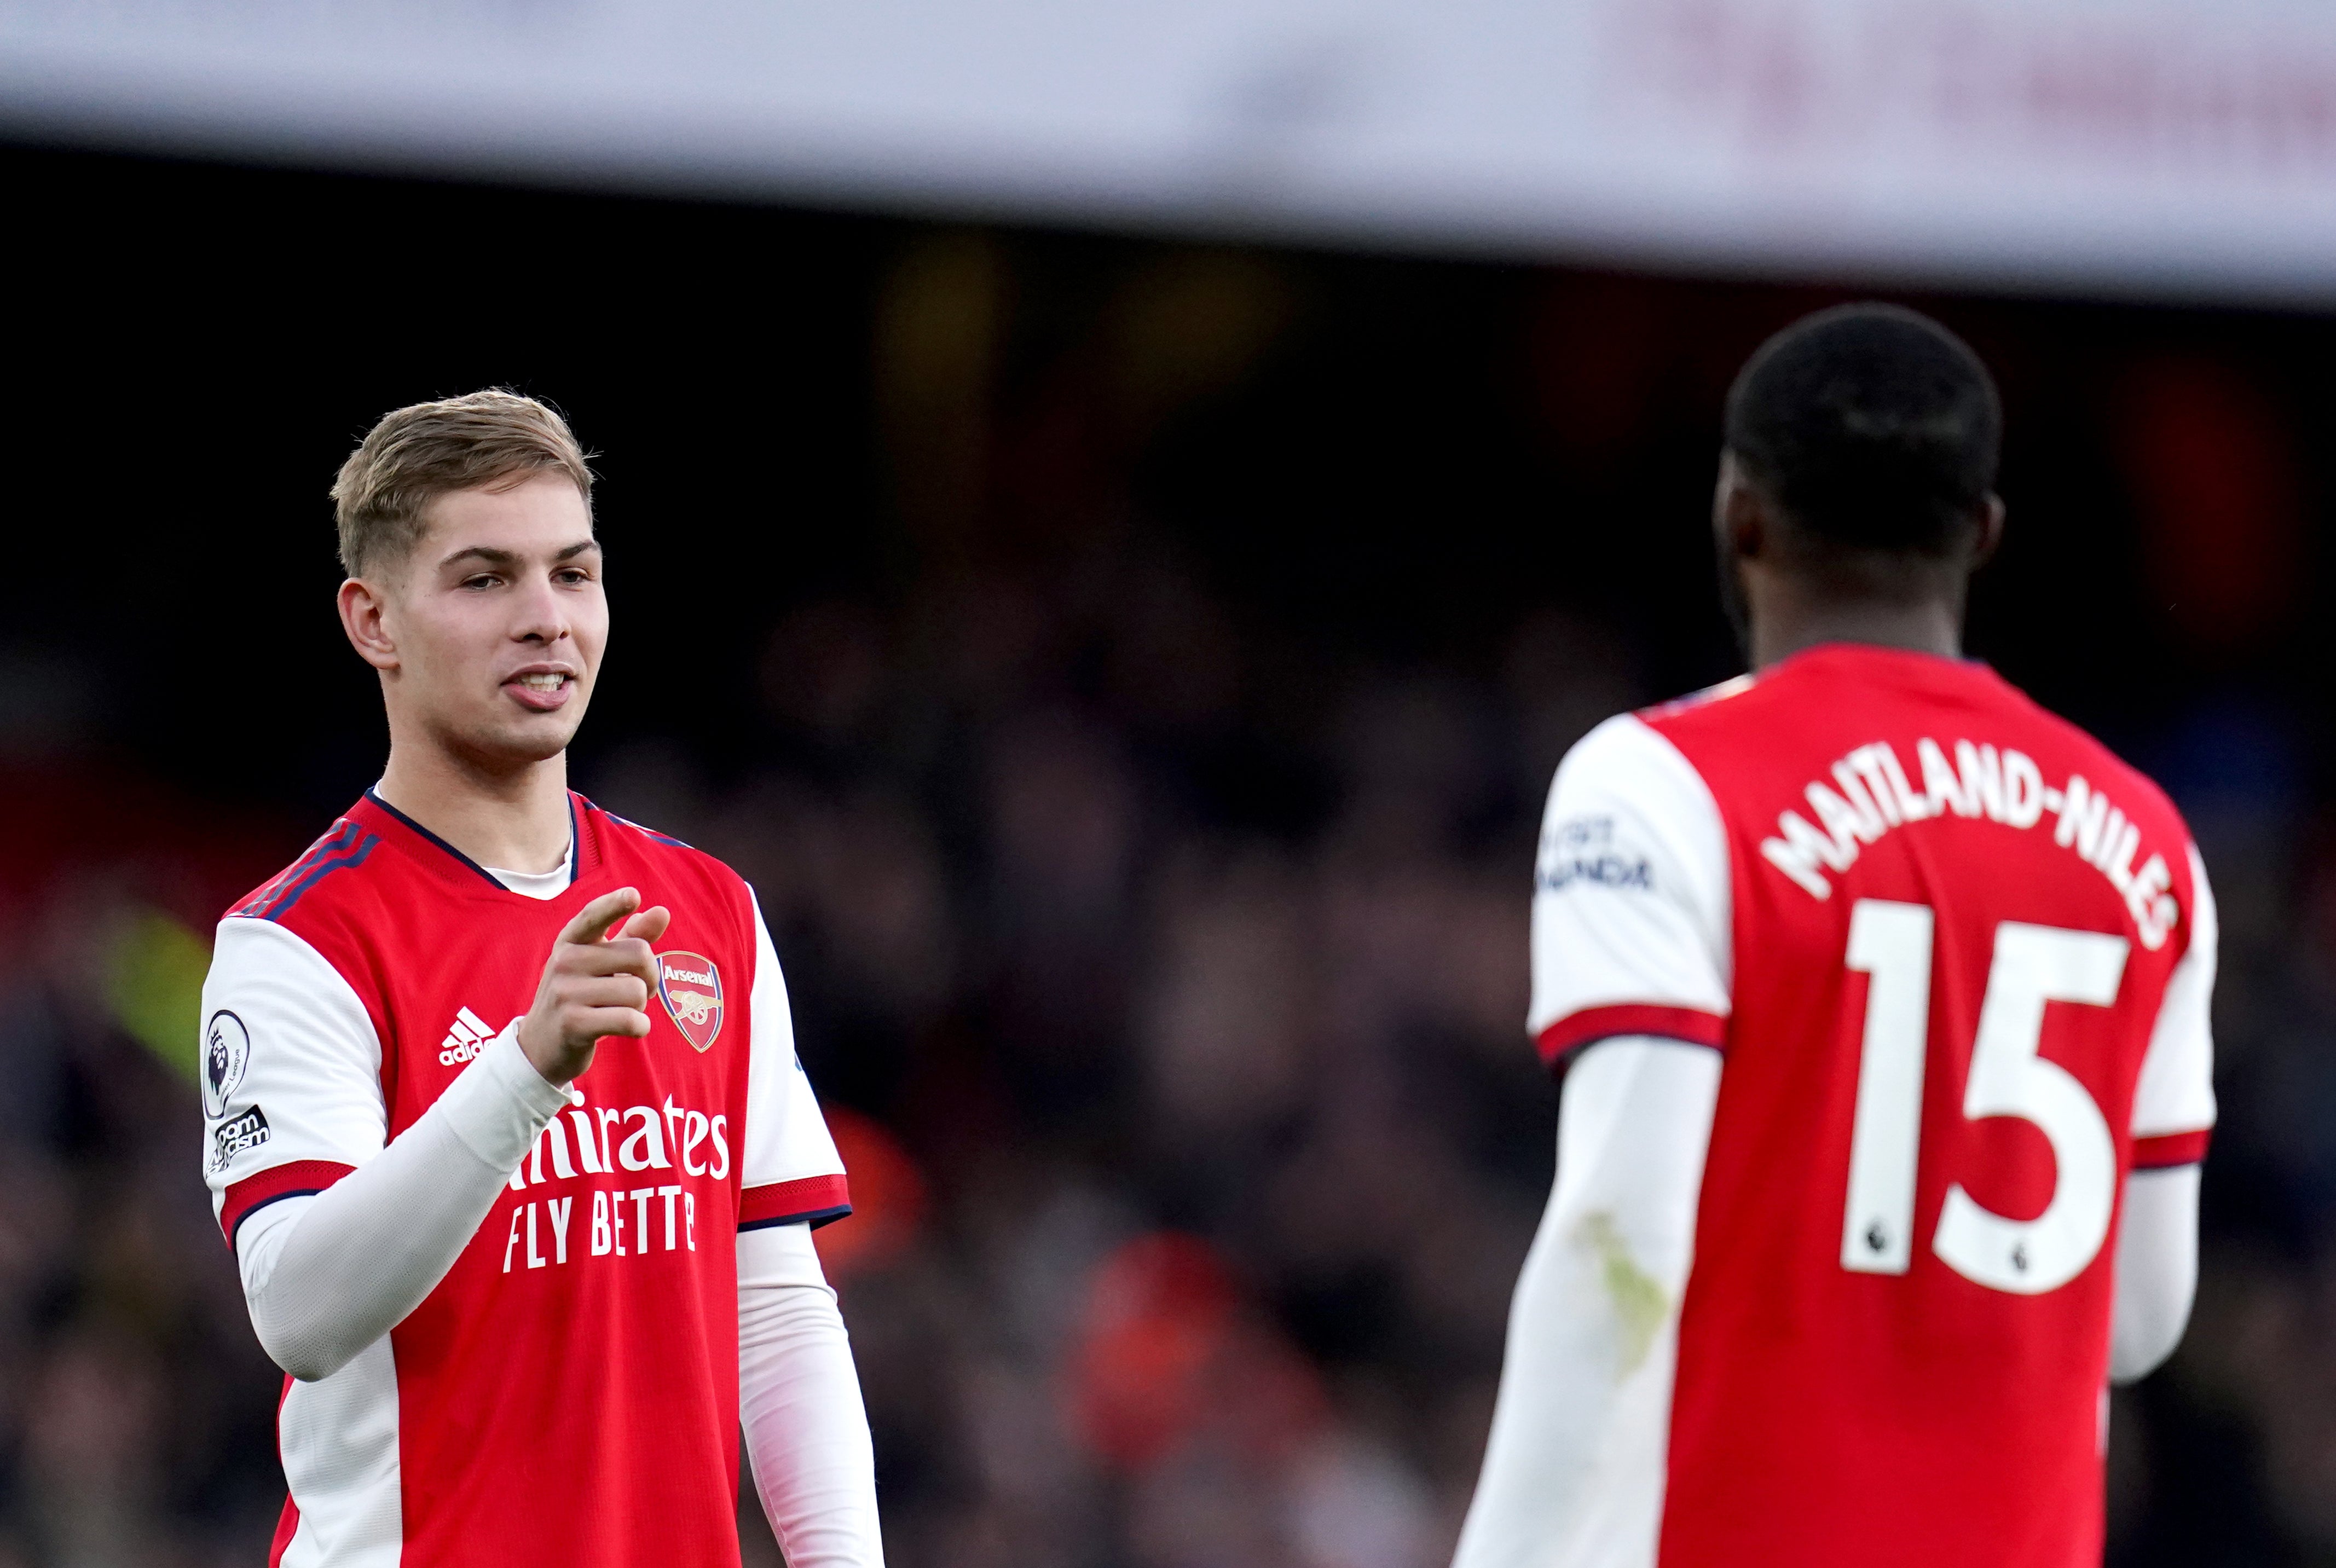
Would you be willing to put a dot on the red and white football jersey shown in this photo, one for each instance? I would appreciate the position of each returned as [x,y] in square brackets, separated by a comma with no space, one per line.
[1958,958]
[569,1393]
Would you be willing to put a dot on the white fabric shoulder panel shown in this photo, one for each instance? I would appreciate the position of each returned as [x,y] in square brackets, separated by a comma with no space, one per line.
[1631,899]
[291,1064]
[2176,1092]
[786,1139]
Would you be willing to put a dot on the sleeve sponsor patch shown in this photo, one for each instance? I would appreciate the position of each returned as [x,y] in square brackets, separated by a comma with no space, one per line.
[246,1131]
[1585,850]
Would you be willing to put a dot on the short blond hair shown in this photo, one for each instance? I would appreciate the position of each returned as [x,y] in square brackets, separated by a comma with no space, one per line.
[480,441]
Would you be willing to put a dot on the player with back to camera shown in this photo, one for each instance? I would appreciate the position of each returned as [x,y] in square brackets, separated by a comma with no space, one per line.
[519,1175]
[1876,988]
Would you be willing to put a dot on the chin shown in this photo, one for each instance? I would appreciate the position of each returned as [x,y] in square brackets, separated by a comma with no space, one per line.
[513,746]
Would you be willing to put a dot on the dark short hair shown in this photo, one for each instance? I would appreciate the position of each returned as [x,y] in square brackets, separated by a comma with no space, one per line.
[1871,425]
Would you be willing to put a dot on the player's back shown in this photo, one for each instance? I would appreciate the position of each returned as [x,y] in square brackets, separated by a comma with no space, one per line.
[1952,921]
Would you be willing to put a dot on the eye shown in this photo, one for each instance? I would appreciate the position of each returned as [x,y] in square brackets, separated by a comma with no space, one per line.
[485,579]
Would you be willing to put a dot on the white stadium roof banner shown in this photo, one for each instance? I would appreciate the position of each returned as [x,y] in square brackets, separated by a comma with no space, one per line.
[2182,147]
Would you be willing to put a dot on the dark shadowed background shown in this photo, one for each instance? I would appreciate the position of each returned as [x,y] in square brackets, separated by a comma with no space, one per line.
[1129,673]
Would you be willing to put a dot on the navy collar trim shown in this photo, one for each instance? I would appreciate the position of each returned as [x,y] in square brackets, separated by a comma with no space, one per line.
[574,842]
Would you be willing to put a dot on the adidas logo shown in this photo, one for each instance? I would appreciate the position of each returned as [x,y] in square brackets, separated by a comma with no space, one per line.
[465,1040]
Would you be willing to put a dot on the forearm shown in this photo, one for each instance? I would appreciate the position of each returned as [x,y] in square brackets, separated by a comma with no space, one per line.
[327,1276]
[799,1399]
[1574,1462]
[2157,1270]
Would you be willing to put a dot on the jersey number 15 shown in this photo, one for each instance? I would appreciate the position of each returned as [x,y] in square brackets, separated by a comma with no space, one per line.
[2033,965]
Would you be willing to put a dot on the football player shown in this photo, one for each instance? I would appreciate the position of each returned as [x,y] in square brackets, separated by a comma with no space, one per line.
[519,1173]
[1881,998]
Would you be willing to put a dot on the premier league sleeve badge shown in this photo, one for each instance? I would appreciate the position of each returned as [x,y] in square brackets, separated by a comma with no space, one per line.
[227,1051]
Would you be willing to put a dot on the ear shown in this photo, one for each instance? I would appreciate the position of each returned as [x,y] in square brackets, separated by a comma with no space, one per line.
[1991,532]
[364,612]
[1739,513]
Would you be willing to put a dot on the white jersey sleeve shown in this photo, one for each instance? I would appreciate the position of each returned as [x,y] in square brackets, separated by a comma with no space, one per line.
[1631,902]
[1575,1462]
[2156,1268]
[807,1440]
[2174,1100]
[291,1072]
[788,1166]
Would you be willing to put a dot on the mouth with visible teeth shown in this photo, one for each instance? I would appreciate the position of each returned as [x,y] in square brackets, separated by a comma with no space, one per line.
[542,690]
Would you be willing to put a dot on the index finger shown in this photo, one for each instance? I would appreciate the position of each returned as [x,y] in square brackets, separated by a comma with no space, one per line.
[592,921]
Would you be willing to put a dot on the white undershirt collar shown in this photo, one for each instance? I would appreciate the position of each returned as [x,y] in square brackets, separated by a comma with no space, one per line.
[548,884]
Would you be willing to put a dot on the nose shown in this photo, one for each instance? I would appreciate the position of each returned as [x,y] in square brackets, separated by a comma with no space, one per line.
[540,616]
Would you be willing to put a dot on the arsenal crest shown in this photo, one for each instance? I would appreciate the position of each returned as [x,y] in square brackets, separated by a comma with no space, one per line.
[691,987]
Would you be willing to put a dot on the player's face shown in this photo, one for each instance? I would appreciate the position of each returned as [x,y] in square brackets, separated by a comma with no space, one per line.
[500,620]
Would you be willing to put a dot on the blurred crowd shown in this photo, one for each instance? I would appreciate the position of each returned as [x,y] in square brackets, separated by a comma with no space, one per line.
[1159,958]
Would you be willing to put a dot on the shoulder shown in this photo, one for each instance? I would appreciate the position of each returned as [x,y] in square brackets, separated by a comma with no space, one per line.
[1718,730]
[1713,705]
[1626,798]
[2141,795]
[1629,760]
[637,835]
[625,840]
[2103,786]
[2066,747]
[325,892]
[344,847]
[269,968]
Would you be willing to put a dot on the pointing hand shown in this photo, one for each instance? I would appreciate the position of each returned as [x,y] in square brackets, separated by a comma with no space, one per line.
[596,983]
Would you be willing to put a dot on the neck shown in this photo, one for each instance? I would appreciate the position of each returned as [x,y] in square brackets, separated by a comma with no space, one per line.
[1779,630]
[515,819]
